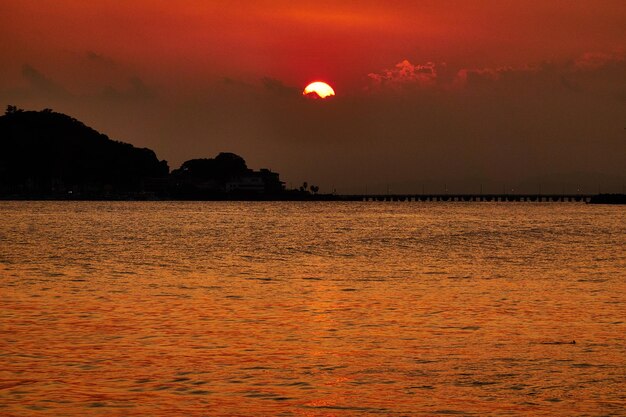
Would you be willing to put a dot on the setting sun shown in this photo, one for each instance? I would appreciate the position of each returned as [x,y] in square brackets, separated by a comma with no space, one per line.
[320,89]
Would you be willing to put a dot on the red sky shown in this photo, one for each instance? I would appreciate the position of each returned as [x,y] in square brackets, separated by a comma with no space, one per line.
[297,41]
[77,56]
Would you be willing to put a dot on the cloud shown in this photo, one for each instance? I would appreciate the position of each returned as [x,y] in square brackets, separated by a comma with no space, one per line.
[42,89]
[601,74]
[41,84]
[99,59]
[592,61]
[405,73]
[139,89]
[466,75]
[598,73]
[478,77]
[278,87]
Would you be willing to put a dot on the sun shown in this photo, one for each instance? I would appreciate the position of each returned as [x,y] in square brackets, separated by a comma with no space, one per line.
[318,89]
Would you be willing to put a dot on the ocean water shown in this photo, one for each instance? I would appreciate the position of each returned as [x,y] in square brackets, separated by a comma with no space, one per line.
[312,309]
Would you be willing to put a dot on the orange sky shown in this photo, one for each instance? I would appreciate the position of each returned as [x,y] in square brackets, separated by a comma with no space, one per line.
[198,65]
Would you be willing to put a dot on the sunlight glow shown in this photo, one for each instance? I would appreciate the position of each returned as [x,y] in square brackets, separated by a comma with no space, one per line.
[319,88]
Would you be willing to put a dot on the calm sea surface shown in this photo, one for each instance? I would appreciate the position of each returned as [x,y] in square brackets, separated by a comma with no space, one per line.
[312,309]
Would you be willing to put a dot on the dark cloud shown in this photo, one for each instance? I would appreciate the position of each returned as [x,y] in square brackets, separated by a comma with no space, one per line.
[99,59]
[140,90]
[42,85]
[278,87]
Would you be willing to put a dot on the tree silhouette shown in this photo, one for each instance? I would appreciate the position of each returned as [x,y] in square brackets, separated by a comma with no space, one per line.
[12,110]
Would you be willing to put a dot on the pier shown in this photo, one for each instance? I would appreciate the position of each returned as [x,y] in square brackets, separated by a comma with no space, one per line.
[512,198]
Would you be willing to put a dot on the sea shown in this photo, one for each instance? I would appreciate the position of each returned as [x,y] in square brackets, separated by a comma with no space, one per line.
[312,309]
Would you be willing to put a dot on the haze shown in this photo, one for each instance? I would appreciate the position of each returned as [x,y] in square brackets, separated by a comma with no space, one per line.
[430,94]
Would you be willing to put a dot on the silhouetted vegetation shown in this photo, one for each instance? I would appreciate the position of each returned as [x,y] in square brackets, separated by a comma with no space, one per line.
[223,167]
[49,154]
[223,177]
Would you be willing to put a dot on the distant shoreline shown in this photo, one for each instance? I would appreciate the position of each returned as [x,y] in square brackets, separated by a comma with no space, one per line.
[300,197]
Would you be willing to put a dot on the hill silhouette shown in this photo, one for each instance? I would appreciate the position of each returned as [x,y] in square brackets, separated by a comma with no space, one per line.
[47,153]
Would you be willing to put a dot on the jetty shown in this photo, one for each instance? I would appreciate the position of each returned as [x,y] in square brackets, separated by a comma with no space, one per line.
[512,198]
